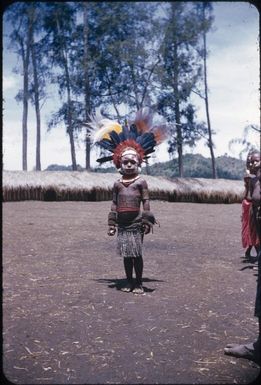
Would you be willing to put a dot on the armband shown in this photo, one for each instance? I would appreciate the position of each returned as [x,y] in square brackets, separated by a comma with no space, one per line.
[112,218]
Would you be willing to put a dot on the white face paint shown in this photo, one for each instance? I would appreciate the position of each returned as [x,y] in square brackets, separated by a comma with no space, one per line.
[129,163]
[130,151]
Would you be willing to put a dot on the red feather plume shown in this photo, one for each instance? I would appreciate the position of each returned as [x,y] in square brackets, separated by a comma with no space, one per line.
[130,143]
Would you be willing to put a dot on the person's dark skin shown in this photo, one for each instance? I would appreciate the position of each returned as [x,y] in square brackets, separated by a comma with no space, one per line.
[252,166]
[129,192]
[252,351]
[255,190]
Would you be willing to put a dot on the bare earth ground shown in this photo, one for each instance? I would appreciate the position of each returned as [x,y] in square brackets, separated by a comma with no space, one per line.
[65,321]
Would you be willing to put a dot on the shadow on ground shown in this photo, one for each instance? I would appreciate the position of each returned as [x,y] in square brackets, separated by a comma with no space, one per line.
[120,283]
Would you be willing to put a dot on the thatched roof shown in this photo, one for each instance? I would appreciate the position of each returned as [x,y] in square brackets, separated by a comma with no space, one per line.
[160,188]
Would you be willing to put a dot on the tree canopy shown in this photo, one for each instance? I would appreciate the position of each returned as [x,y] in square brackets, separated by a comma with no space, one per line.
[114,56]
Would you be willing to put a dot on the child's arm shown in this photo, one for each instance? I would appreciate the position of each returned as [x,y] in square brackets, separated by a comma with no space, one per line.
[148,219]
[247,178]
[112,217]
[145,196]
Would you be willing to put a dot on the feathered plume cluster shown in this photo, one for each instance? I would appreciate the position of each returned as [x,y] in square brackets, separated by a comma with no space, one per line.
[140,134]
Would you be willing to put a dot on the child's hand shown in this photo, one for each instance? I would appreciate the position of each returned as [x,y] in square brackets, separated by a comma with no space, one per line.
[146,228]
[111,230]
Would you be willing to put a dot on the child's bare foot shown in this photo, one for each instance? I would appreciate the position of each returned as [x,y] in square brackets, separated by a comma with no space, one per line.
[250,351]
[138,290]
[128,288]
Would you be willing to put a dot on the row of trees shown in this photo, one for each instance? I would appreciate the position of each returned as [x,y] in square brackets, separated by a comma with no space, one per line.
[118,56]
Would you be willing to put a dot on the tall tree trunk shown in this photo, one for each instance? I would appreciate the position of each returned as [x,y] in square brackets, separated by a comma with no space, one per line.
[25,115]
[86,85]
[179,139]
[37,109]
[26,58]
[113,102]
[210,142]
[88,150]
[177,114]
[69,101]
[70,129]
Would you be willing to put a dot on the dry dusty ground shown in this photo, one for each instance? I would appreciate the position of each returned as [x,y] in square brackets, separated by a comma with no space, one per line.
[65,321]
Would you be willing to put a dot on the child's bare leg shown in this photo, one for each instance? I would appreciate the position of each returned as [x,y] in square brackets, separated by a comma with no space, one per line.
[248,252]
[138,267]
[128,266]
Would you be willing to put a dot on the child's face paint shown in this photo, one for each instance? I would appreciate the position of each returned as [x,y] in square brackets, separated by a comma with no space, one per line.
[129,164]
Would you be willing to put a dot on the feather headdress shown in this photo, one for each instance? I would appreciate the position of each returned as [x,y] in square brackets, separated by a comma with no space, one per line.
[140,134]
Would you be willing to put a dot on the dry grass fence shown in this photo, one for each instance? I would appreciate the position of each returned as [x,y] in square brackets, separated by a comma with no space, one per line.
[89,186]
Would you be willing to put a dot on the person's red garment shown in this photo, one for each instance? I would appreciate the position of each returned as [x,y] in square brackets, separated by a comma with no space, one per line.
[249,235]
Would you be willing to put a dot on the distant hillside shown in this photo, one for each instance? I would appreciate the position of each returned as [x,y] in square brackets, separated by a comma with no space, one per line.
[195,166]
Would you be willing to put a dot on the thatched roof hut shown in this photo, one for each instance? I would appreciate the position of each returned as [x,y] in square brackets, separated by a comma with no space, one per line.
[90,186]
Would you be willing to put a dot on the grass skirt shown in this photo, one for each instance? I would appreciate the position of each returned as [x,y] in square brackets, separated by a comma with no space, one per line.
[129,241]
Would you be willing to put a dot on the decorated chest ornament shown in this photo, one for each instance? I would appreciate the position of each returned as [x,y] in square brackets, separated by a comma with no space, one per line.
[136,139]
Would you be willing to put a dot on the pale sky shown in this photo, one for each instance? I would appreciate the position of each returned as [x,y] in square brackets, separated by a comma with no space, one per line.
[233,80]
